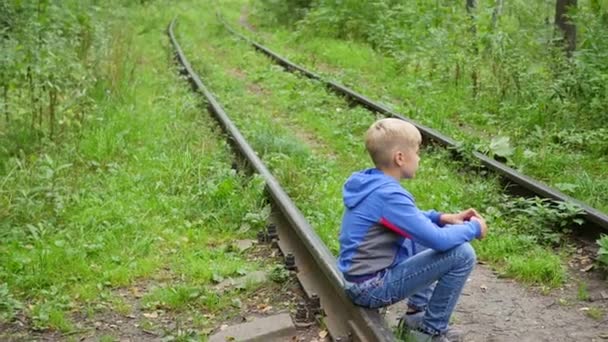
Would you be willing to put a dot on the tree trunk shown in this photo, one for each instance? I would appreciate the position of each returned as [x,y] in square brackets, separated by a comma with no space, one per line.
[471,9]
[40,107]
[5,95]
[30,82]
[565,25]
[496,13]
[52,104]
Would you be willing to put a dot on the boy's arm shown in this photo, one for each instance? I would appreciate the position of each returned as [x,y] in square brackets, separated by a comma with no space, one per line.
[434,216]
[401,215]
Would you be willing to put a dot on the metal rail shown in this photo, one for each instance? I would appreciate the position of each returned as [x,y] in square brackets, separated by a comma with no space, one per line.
[592,216]
[317,269]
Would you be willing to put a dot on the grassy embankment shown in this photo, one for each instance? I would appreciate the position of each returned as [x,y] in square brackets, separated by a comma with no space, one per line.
[133,216]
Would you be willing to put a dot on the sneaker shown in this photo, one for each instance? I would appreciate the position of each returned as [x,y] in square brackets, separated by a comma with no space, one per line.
[411,321]
[419,336]
[451,335]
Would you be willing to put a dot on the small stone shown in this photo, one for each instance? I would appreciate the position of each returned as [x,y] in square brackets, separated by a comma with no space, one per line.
[240,283]
[243,245]
[135,292]
[153,314]
[604,294]
[273,328]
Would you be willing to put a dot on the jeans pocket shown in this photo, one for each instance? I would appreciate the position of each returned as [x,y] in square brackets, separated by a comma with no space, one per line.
[366,293]
[378,294]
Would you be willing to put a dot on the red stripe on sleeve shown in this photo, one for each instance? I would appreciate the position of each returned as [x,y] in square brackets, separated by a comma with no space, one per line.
[394,228]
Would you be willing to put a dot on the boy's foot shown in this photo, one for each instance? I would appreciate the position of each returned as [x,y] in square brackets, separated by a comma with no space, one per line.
[411,321]
[419,336]
[449,336]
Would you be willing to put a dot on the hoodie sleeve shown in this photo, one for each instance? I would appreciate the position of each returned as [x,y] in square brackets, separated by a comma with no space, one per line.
[401,216]
[434,216]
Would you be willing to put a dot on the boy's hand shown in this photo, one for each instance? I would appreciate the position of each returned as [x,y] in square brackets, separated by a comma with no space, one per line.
[484,226]
[459,218]
[466,215]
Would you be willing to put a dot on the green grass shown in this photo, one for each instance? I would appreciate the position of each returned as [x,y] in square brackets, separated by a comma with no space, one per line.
[595,313]
[572,160]
[143,196]
[582,292]
[312,140]
[143,193]
[536,267]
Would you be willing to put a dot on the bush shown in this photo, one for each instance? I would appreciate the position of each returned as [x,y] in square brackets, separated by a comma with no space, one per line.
[514,58]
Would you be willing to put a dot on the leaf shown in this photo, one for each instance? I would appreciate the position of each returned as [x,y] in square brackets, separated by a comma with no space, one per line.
[529,154]
[217,278]
[245,227]
[64,166]
[566,187]
[501,146]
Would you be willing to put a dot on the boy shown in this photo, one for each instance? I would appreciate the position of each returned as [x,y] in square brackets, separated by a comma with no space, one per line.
[383,231]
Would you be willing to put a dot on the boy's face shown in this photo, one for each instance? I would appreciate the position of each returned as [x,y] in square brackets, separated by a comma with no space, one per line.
[407,159]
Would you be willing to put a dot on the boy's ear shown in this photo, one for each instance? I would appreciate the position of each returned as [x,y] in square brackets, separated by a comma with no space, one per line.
[398,157]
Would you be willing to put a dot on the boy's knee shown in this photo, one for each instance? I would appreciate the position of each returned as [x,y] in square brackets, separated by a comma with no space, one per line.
[467,253]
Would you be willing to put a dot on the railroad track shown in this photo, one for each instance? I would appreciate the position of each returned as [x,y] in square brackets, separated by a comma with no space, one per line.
[316,266]
[595,221]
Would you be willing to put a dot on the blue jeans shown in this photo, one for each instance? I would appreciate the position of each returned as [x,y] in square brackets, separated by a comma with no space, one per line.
[449,269]
[420,299]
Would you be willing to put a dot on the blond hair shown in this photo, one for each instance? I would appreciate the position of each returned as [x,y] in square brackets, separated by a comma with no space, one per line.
[385,136]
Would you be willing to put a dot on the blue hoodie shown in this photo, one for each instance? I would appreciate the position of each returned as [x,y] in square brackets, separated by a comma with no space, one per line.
[380,218]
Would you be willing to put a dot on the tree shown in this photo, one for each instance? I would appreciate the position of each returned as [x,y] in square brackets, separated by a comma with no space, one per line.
[565,24]
[471,8]
[496,13]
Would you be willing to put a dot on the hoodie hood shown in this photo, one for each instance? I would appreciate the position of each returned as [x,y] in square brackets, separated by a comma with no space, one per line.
[361,184]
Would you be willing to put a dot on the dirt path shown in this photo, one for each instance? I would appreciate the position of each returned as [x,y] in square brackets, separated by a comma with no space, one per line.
[495,309]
